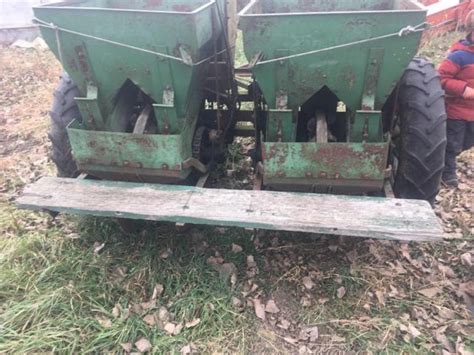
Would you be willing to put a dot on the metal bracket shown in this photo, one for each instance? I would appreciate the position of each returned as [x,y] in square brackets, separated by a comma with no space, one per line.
[281,100]
[166,119]
[367,127]
[371,78]
[280,127]
[168,96]
[281,72]
[90,110]
[185,55]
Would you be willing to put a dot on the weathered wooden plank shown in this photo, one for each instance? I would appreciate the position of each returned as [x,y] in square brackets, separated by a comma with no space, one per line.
[329,214]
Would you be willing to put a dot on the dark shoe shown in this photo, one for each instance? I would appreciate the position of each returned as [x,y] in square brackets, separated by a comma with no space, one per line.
[450,180]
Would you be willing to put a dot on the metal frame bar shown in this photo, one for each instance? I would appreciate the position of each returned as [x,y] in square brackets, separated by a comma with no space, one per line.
[55,6]
[245,11]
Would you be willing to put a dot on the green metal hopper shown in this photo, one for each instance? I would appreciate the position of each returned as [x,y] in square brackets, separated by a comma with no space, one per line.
[315,55]
[114,49]
[330,43]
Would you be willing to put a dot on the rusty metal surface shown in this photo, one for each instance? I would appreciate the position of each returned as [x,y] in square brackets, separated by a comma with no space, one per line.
[121,151]
[336,162]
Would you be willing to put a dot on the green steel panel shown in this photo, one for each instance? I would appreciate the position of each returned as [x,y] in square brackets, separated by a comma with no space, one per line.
[339,67]
[126,150]
[333,161]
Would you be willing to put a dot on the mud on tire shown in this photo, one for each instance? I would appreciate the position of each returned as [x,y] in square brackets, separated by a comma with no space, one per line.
[422,142]
[64,111]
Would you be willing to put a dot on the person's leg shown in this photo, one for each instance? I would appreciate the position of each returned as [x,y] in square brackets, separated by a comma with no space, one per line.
[455,136]
[468,136]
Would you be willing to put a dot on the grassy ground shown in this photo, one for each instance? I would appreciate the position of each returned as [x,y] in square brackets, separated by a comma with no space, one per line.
[75,284]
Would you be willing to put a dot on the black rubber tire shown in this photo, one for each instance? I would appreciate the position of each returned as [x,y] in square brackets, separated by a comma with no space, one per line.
[422,145]
[64,111]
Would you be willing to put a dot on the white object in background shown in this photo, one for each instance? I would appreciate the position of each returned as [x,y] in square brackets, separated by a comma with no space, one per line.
[17,13]
[441,6]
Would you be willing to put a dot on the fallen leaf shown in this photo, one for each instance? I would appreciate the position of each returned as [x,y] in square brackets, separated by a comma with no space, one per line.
[338,339]
[403,327]
[467,287]
[259,309]
[150,319]
[225,270]
[116,311]
[415,333]
[157,291]
[444,341]
[341,291]
[323,300]
[404,251]
[214,260]
[193,323]
[104,322]
[290,340]
[98,247]
[163,314]
[283,324]
[311,334]
[236,248]
[303,350]
[178,329]
[233,279]
[267,334]
[305,301]
[308,283]
[447,314]
[251,261]
[169,328]
[446,270]
[466,259]
[186,350]
[430,292]
[237,304]
[380,297]
[166,254]
[352,256]
[126,313]
[399,269]
[461,349]
[143,345]
[127,347]
[118,274]
[189,349]
[271,307]
[148,305]
[136,308]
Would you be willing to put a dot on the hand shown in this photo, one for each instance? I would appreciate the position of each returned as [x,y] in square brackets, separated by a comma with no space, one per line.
[468,93]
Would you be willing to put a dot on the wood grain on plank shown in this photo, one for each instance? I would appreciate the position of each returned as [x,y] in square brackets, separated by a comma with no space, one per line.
[370,217]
